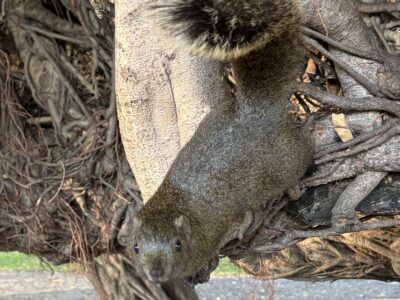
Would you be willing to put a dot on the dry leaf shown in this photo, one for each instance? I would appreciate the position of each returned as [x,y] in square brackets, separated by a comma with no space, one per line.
[341,127]
[311,69]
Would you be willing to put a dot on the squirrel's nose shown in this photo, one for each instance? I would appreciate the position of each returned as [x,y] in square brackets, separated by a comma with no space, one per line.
[157,271]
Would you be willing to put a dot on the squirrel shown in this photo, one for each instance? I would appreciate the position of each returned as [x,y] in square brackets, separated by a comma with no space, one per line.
[244,153]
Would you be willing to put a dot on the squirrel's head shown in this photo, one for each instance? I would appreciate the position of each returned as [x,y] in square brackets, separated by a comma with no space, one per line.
[160,248]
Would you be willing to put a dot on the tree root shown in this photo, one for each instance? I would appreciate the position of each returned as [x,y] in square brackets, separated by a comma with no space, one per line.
[290,238]
[349,104]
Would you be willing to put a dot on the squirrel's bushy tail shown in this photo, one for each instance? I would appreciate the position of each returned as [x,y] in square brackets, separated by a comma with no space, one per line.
[227,29]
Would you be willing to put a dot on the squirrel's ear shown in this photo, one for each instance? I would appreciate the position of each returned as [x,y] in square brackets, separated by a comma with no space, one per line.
[136,222]
[130,218]
[122,238]
[182,222]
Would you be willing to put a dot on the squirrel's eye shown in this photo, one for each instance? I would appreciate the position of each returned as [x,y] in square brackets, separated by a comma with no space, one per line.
[136,248]
[178,246]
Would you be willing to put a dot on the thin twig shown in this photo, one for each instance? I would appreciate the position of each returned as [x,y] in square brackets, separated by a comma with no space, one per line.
[365,136]
[369,144]
[351,104]
[360,53]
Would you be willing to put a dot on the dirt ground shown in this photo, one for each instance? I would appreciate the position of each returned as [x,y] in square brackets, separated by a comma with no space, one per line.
[66,286]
